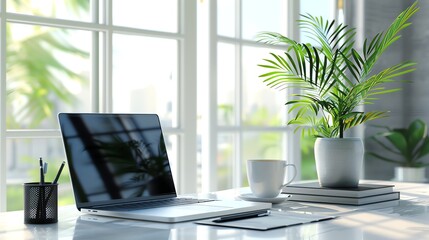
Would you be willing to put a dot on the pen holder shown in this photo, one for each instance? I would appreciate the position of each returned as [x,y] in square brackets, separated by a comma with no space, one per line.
[40,203]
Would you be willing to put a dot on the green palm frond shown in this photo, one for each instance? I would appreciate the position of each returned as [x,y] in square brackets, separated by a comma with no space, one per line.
[382,41]
[334,78]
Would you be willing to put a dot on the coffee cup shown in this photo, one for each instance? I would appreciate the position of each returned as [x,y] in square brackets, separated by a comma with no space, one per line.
[266,177]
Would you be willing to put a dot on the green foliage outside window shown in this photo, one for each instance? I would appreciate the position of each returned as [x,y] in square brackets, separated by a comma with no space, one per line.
[34,87]
[33,72]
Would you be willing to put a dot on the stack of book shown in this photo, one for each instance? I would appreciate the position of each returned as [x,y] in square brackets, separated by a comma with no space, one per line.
[361,195]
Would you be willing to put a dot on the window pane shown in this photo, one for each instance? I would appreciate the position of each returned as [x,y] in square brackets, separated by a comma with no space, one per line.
[319,8]
[226,84]
[261,145]
[322,8]
[145,76]
[263,15]
[225,157]
[226,18]
[64,9]
[47,72]
[22,164]
[159,15]
[262,106]
[266,145]
[172,145]
[308,165]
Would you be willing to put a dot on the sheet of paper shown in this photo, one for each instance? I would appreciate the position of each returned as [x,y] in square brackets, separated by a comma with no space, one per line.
[275,220]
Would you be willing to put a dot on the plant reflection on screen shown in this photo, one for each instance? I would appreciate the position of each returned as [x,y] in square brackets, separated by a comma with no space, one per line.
[148,165]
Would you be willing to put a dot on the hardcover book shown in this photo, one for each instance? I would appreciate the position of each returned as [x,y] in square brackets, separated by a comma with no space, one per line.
[345,200]
[313,188]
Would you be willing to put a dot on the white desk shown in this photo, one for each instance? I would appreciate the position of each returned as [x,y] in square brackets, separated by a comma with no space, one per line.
[406,219]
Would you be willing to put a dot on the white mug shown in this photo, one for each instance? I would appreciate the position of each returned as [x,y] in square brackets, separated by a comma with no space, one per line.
[266,177]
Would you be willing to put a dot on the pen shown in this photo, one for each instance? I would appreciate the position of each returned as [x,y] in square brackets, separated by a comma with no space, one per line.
[42,175]
[41,205]
[59,172]
[54,182]
[243,216]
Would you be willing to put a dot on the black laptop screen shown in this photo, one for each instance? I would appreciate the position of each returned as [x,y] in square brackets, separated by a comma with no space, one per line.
[115,157]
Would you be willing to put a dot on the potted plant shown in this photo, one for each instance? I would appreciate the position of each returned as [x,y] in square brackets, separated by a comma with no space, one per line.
[407,148]
[333,79]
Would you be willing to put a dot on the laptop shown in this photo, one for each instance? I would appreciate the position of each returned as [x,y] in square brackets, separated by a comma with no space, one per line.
[119,167]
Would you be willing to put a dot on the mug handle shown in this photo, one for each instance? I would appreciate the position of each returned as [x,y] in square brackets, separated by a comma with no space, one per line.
[294,173]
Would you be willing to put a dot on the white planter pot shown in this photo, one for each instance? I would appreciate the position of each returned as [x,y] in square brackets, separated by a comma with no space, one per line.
[410,174]
[339,161]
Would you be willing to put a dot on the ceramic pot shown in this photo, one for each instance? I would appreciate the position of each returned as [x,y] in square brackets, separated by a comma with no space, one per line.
[410,174]
[339,161]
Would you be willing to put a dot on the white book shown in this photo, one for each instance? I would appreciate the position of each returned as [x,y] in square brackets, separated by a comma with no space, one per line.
[313,188]
[345,200]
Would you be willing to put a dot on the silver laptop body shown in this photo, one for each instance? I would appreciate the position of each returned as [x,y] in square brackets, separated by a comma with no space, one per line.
[119,167]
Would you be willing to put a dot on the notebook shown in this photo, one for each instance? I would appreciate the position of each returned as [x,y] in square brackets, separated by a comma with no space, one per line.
[277,219]
[119,167]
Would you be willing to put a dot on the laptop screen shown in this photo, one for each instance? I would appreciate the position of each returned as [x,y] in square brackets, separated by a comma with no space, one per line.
[116,158]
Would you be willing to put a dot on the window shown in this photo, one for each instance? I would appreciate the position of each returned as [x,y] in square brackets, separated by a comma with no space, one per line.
[242,118]
[106,56]
[91,56]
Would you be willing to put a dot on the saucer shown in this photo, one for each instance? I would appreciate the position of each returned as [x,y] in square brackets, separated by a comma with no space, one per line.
[250,197]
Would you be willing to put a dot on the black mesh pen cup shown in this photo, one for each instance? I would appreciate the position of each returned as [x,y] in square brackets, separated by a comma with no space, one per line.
[40,203]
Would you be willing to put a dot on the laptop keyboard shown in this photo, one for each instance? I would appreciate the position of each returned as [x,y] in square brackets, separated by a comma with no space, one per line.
[156,204]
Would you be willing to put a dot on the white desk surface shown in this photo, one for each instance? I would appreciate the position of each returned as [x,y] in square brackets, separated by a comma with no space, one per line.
[407,218]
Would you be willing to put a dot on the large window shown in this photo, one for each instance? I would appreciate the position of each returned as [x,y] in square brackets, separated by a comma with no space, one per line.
[92,56]
[198,72]
[242,118]
[246,119]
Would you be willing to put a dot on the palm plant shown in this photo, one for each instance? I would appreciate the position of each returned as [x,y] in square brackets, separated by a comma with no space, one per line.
[408,145]
[334,77]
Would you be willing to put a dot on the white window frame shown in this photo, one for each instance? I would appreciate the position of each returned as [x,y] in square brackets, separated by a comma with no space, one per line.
[291,151]
[101,89]
[101,81]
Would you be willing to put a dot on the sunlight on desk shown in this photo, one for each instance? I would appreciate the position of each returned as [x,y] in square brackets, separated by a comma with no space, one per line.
[386,227]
